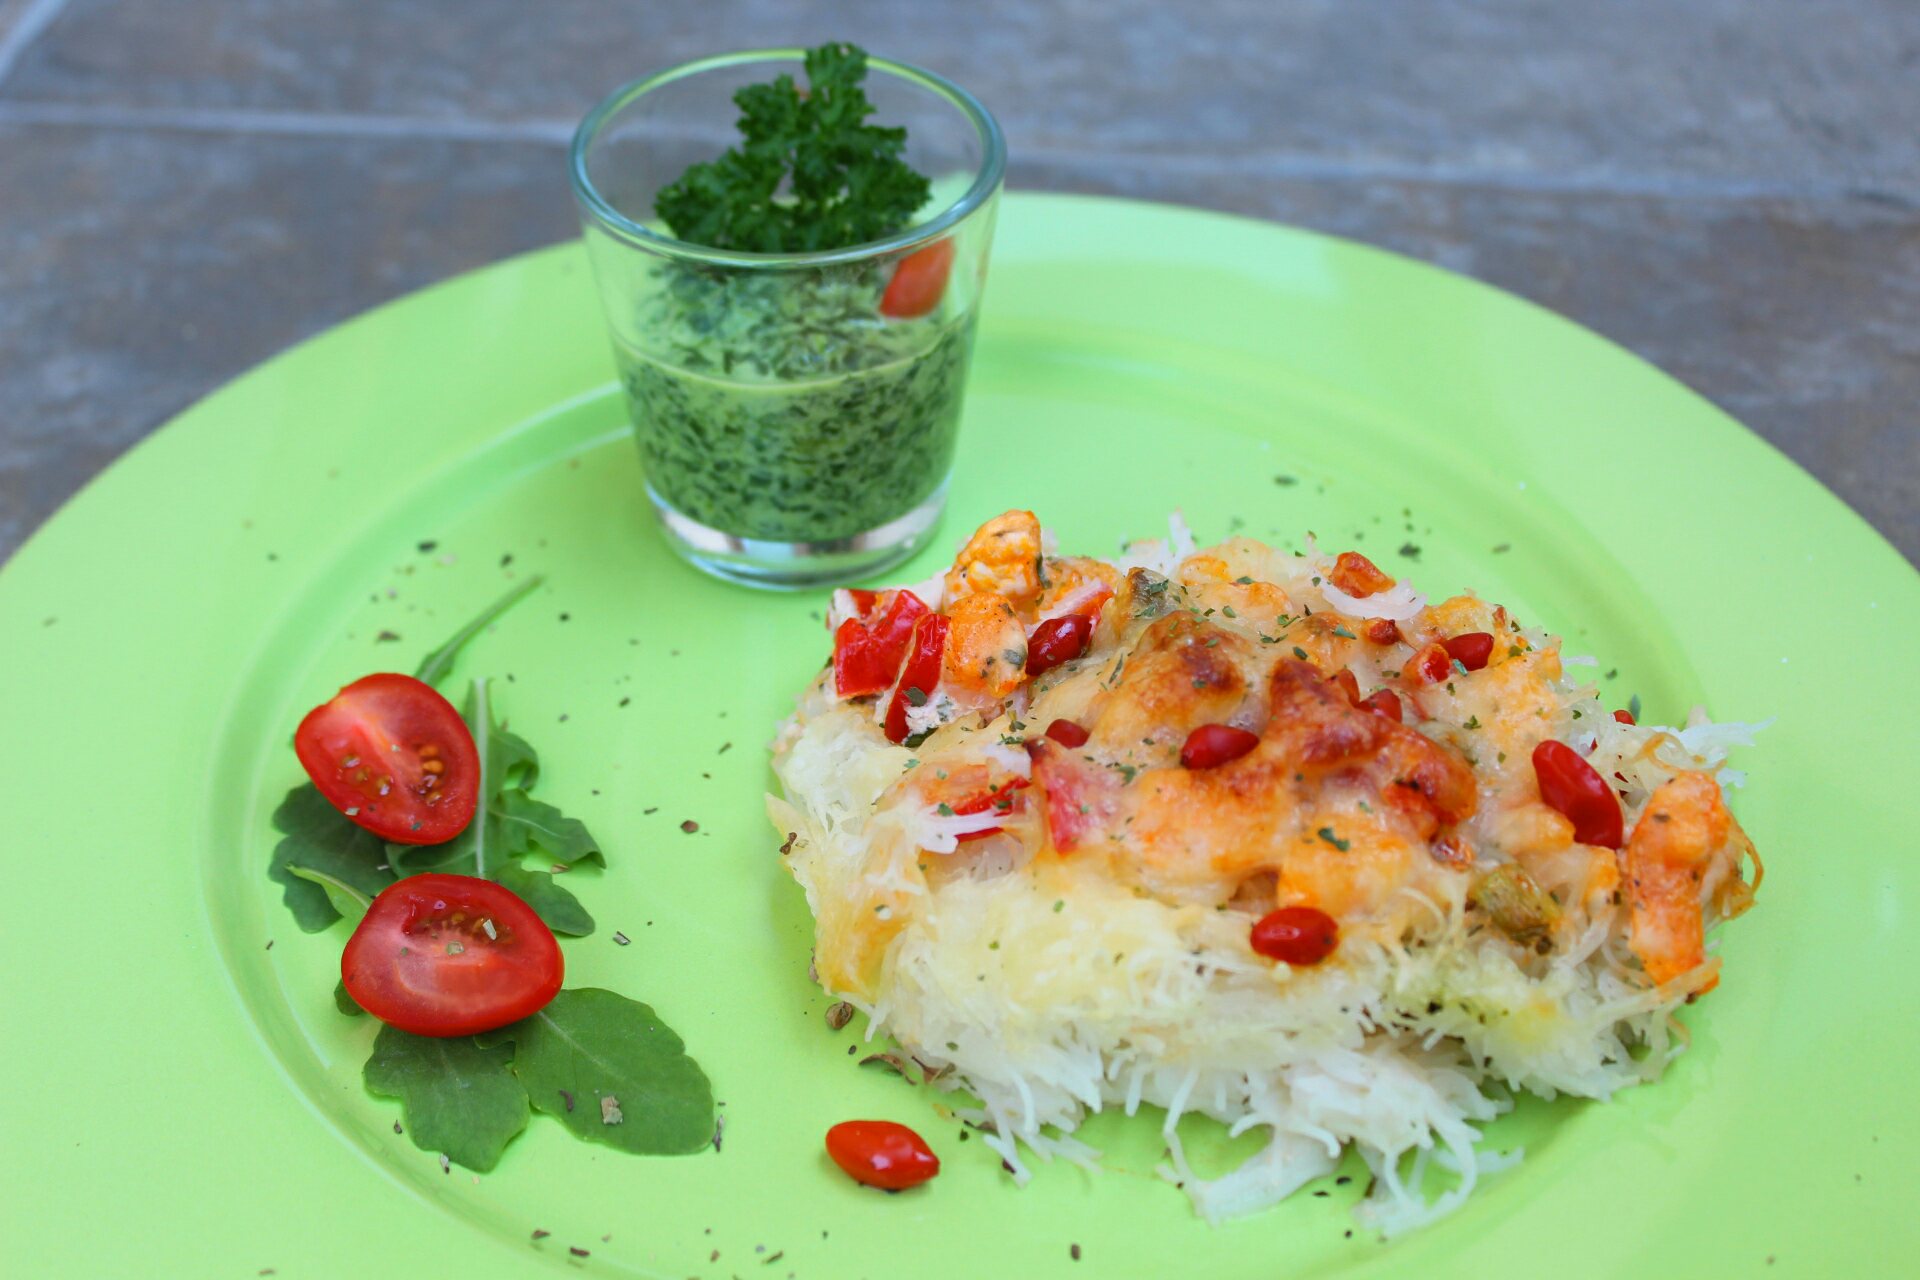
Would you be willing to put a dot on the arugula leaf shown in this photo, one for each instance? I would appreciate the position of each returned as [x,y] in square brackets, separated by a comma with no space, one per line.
[527,825]
[350,902]
[434,667]
[318,838]
[457,1097]
[559,908]
[509,826]
[344,1002]
[589,1045]
[810,173]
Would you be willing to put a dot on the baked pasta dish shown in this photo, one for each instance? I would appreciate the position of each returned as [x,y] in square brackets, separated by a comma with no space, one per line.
[1252,832]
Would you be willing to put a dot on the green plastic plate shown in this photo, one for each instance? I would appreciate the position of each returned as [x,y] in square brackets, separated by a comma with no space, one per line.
[181,1097]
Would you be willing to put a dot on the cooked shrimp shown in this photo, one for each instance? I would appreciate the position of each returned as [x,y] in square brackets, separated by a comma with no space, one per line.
[1183,672]
[1337,804]
[986,649]
[1003,556]
[1216,583]
[1076,582]
[1684,855]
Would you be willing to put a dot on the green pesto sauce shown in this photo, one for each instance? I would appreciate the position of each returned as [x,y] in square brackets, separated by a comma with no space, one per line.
[784,407]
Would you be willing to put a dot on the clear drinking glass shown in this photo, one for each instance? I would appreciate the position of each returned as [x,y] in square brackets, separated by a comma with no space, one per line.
[792,433]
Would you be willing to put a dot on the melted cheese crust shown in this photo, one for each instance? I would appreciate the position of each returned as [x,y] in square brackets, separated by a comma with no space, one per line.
[1103,898]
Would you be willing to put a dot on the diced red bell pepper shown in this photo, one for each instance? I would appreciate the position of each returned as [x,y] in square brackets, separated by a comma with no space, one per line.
[1068,734]
[867,649]
[1574,787]
[1000,797]
[1383,702]
[1080,797]
[1212,745]
[1471,650]
[919,675]
[1058,640]
[1358,576]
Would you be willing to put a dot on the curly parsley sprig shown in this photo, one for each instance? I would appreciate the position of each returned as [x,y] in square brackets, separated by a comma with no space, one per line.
[810,174]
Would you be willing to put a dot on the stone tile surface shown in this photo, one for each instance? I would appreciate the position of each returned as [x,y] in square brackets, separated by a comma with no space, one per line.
[138,273]
[1800,319]
[1765,91]
[1727,188]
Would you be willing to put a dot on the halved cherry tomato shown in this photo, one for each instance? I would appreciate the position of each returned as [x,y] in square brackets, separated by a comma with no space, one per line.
[395,757]
[919,675]
[1058,640]
[1358,576]
[1296,935]
[1067,733]
[919,282]
[1000,797]
[1471,649]
[867,649]
[1574,787]
[1624,717]
[1215,744]
[1384,703]
[1429,664]
[880,1153]
[442,955]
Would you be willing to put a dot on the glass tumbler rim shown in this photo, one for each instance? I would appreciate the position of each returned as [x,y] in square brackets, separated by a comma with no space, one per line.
[986,180]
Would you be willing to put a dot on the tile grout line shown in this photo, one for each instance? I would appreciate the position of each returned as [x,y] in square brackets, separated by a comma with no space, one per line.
[1309,167]
[1283,166]
[283,123]
[39,15]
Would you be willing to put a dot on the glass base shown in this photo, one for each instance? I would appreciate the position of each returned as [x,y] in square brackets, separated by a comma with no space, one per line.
[794,566]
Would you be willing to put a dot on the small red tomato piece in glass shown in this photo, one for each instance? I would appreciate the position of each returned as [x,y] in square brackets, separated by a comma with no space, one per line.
[919,675]
[1384,703]
[1058,640]
[1624,717]
[1471,650]
[1212,745]
[393,756]
[442,955]
[1067,733]
[1296,935]
[919,282]
[1574,787]
[1358,576]
[867,649]
[1430,664]
[880,1153]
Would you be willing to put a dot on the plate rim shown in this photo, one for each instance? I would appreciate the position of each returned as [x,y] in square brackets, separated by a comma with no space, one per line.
[534,261]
